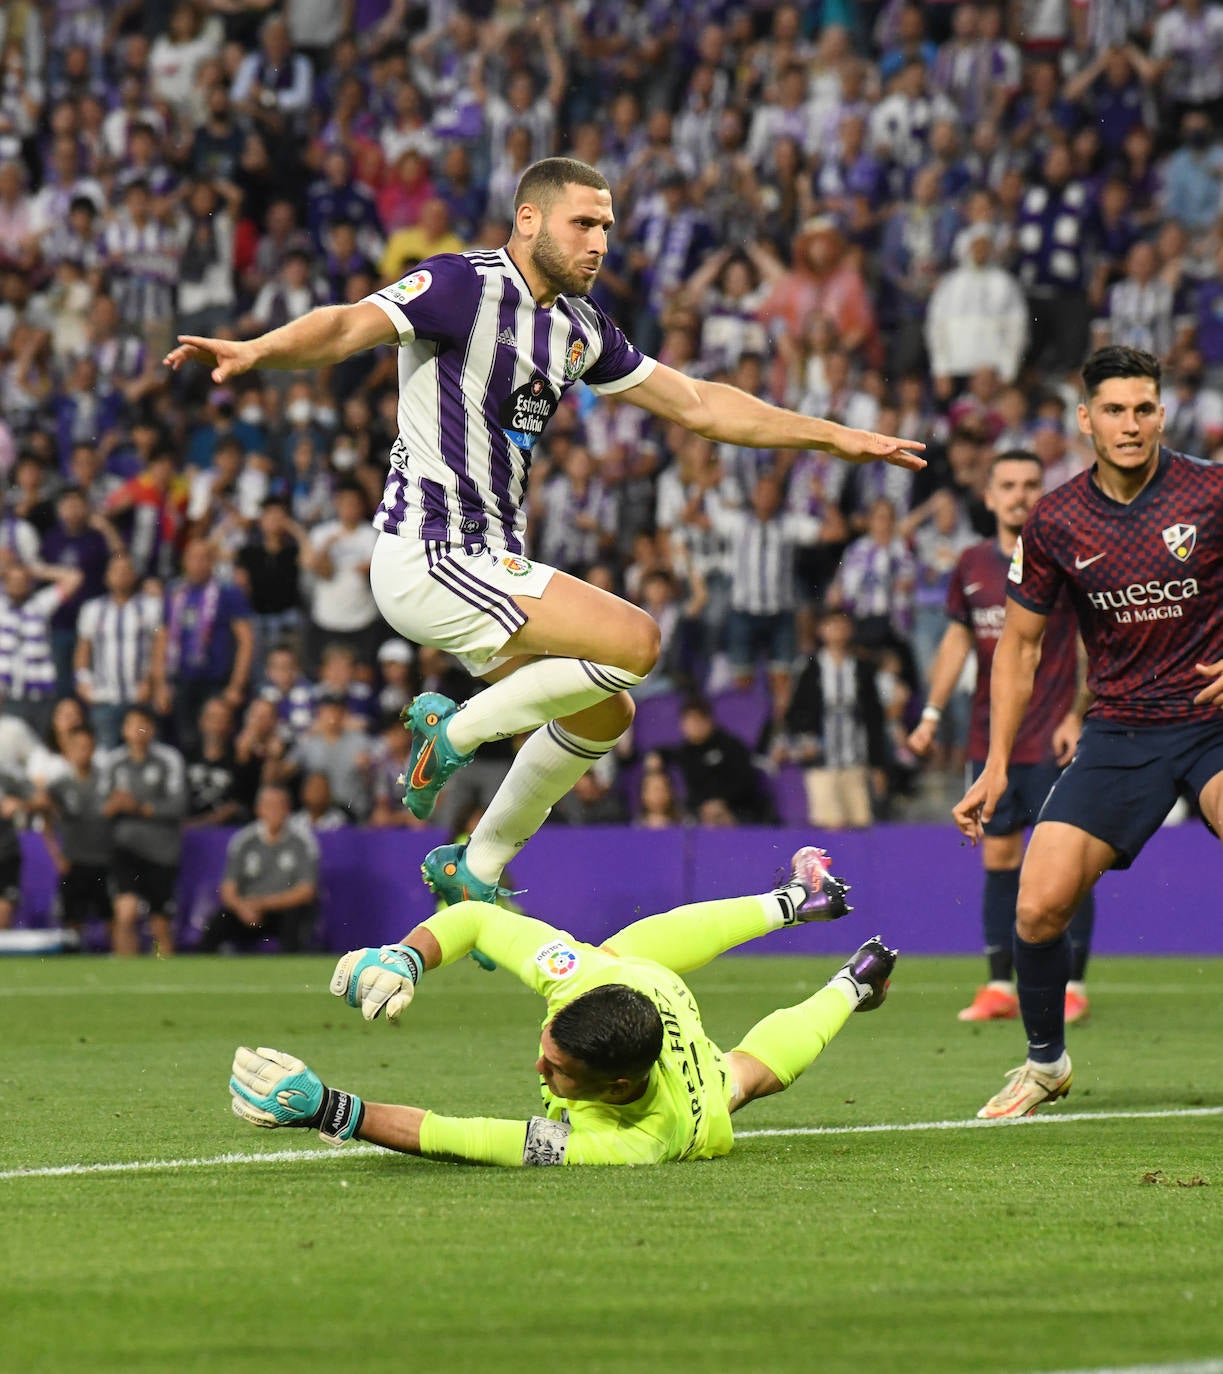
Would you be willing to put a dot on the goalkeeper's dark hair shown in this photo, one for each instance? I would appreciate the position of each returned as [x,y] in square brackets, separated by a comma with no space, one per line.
[1118,361]
[544,181]
[613,1029]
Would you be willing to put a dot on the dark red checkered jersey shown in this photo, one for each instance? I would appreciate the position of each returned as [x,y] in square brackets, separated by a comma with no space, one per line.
[976,598]
[1146,581]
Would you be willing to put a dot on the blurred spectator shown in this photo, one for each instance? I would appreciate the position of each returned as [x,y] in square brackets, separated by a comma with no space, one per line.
[657,807]
[318,811]
[191,38]
[429,234]
[938,532]
[48,762]
[764,540]
[1141,311]
[113,657]
[206,294]
[1051,268]
[27,664]
[204,646]
[14,791]
[341,605]
[977,316]
[398,688]
[270,887]
[1194,409]
[577,515]
[211,772]
[876,580]
[834,728]
[273,86]
[916,248]
[593,801]
[1187,47]
[260,752]
[339,675]
[77,834]
[717,769]
[268,571]
[76,540]
[388,765]
[288,689]
[1192,175]
[149,510]
[343,753]
[145,786]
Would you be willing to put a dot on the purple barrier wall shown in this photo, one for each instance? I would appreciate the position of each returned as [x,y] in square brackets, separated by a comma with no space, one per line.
[918,886]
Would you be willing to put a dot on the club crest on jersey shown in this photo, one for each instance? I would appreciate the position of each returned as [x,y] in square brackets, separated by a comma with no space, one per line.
[413,285]
[557,960]
[1015,572]
[573,362]
[515,566]
[1180,541]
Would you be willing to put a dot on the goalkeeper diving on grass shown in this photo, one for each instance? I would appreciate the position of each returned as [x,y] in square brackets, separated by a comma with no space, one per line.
[627,1073]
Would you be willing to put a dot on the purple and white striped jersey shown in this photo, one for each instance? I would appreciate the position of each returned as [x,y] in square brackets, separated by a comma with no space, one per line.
[482,369]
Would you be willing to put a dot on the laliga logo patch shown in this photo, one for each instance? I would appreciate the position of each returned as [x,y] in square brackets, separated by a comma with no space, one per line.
[1015,572]
[573,363]
[1180,540]
[516,567]
[413,285]
[557,960]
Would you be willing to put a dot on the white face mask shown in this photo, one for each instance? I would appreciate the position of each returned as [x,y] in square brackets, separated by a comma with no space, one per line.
[343,456]
[299,412]
[325,416]
[251,415]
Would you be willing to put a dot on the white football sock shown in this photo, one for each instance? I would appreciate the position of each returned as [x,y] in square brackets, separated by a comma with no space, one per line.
[544,769]
[536,693]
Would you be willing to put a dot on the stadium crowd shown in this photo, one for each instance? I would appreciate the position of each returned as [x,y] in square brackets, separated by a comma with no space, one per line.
[912,218]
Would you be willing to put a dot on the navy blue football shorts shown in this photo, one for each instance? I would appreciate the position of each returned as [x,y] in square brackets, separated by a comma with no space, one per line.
[1027,786]
[1124,780]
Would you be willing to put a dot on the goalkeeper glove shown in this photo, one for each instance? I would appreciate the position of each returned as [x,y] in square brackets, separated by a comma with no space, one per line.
[379,979]
[271,1088]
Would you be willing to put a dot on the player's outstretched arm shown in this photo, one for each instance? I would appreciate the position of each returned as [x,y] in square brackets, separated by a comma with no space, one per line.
[730,416]
[323,337]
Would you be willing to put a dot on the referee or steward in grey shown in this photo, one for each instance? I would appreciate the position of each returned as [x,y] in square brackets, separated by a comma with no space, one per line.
[270,883]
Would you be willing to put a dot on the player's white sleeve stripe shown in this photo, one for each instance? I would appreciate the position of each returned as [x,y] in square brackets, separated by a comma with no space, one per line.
[403,326]
[634,378]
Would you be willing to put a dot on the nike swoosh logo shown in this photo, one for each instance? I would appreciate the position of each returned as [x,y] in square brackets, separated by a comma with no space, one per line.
[1081,563]
[973,587]
[422,774]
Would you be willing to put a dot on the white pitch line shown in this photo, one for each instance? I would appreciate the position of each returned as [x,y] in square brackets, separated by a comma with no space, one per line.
[355,1151]
[1179,1367]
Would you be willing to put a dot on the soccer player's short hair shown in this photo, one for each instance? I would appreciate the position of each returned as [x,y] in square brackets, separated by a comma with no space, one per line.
[614,1030]
[544,181]
[1015,455]
[1116,360]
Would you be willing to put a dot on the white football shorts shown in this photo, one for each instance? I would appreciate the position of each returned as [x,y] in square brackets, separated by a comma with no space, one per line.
[464,603]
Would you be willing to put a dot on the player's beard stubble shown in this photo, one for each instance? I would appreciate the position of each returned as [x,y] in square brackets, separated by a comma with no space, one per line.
[549,260]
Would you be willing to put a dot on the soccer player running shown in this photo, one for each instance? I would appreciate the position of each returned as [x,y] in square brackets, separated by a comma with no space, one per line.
[627,1073]
[490,342]
[1138,541]
[1045,743]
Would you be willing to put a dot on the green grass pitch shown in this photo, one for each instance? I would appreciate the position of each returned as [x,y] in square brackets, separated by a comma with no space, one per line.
[1051,1245]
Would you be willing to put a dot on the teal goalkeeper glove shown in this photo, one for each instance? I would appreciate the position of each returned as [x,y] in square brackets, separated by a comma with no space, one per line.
[271,1088]
[379,980]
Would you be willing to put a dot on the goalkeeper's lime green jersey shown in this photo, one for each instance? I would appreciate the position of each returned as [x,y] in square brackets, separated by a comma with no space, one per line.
[683,1113]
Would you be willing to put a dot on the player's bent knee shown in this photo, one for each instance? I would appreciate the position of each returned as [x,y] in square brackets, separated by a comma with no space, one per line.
[1039,920]
[643,646]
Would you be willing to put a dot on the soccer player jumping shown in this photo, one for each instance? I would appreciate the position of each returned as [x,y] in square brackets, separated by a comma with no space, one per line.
[627,1073]
[490,342]
[1138,541]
